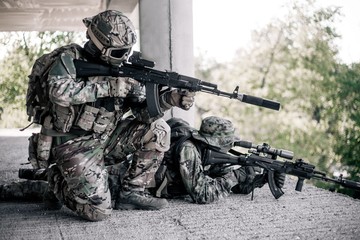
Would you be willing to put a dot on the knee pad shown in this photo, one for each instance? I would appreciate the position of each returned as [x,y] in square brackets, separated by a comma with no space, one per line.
[158,136]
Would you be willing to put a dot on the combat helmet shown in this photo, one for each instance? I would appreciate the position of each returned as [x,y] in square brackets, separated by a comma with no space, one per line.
[113,34]
[217,132]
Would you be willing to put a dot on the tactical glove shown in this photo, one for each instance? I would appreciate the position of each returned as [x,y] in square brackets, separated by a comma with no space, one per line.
[248,180]
[119,87]
[179,98]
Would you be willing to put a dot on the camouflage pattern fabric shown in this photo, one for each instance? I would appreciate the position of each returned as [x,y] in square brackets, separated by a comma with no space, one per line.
[183,172]
[31,190]
[80,179]
[113,34]
[216,131]
[83,122]
[200,186]
[142,141]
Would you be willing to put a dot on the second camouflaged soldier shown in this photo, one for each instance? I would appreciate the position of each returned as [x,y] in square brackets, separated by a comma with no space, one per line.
[83,129]
[183,171]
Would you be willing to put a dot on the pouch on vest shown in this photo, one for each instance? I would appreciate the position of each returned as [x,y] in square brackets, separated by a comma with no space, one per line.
[87,118]
[43,149]
[63,117]
[103,120]
[34,159]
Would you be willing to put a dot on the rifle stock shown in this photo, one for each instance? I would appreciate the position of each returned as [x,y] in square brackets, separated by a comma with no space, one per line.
[142,70]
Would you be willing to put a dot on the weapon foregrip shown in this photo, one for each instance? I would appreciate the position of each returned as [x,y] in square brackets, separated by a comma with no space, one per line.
[299,184]
[261,102]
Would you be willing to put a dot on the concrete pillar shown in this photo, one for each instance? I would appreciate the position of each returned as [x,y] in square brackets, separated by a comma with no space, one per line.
[166,37]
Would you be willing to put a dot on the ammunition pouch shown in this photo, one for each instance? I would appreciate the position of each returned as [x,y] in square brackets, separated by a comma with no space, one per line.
[39,150]
[103,121]
[87,117]
[95,119]
[40,145]
[43,149]
[63,117]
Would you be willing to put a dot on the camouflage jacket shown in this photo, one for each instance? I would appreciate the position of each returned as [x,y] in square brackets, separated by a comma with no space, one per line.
[78,102]
[186,174]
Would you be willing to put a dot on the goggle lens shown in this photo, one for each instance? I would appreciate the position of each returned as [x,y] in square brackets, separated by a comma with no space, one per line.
[118,53]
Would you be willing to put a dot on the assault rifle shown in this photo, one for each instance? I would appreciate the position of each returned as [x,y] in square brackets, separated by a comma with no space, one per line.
[265,157]
[143,71]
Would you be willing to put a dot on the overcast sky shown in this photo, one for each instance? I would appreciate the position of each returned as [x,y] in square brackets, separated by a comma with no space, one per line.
[223,26]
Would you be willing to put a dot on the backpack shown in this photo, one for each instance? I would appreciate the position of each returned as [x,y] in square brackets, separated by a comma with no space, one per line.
[180,132]
[168,179]
[37,97]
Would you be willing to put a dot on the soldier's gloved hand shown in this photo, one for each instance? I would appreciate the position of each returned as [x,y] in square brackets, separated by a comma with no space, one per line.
[279,179]
[180,98]
[120,87]
[248,180]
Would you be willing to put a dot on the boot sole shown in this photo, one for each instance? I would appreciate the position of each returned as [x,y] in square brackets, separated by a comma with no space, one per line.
[124,206]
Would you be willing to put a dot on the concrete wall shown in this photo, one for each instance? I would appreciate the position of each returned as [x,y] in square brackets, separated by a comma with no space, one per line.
[166,37]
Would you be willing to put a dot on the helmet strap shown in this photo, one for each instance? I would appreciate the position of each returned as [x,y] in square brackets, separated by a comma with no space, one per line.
[97,43]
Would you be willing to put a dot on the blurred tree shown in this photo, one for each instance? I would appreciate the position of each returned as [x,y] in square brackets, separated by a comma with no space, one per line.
[294,61]
[23,49]
[344,119]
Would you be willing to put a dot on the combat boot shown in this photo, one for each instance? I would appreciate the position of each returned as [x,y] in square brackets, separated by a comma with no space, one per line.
[138,200]
[51,202]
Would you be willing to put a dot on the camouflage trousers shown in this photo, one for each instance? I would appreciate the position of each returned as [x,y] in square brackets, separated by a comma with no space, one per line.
[80,176]
[36,190]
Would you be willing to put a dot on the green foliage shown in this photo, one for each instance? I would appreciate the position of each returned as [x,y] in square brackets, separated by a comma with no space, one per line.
[294,61]
[23,49]
[345,117]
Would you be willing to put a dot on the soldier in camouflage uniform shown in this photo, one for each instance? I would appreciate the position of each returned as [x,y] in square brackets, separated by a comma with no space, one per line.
[85,128]
[183,171]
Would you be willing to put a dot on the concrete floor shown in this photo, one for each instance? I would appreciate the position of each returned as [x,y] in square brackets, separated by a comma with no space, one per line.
[311,214]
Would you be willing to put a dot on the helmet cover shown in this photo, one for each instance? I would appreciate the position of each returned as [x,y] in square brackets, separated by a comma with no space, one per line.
[216,131]
[113,34]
